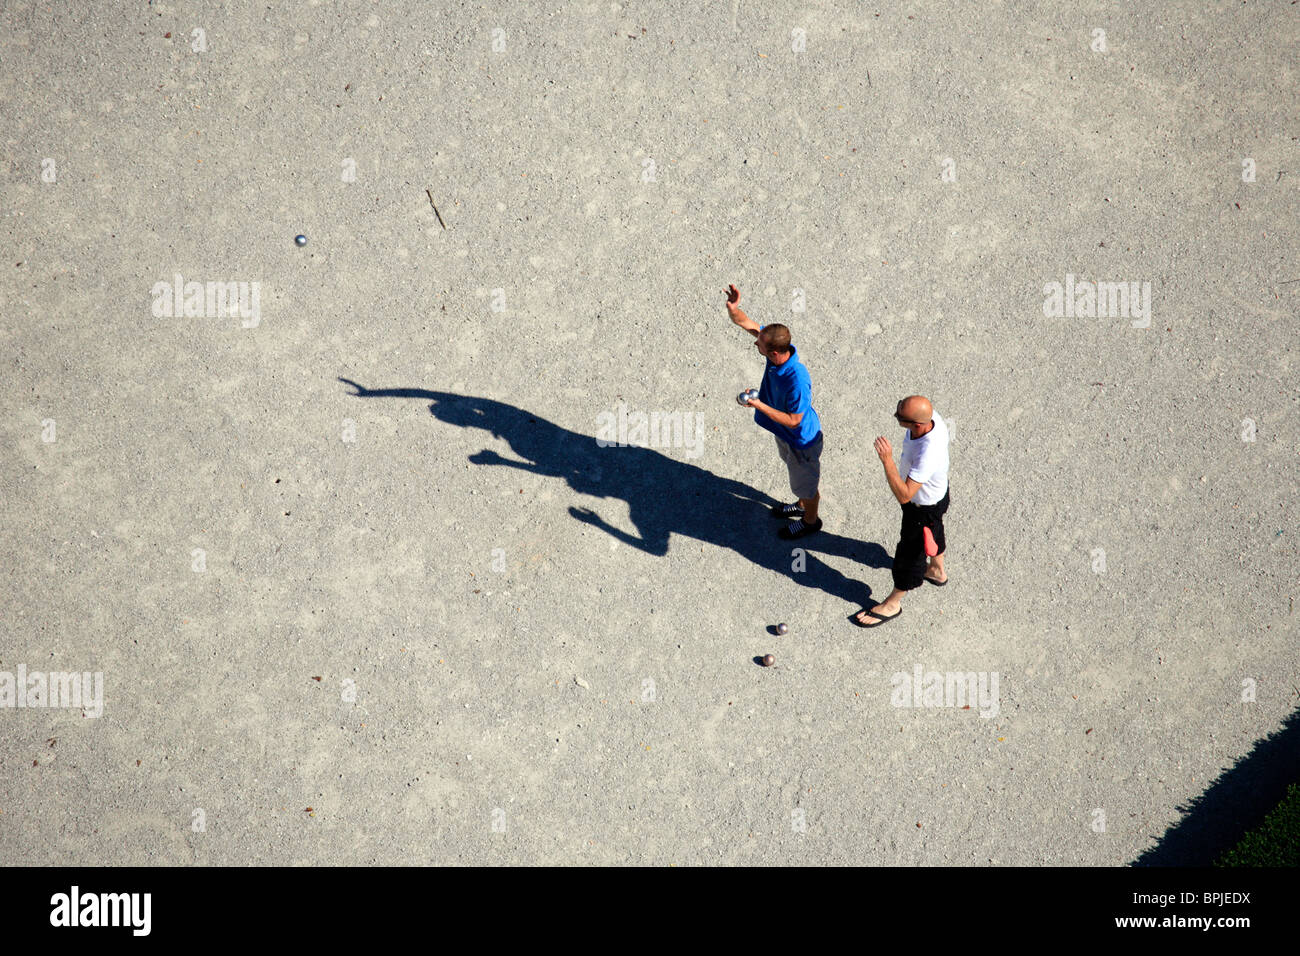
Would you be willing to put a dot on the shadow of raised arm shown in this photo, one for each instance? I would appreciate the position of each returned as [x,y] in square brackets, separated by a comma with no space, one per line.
[363,392]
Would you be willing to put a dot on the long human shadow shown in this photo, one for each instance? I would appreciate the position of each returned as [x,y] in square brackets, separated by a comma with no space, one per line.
[664,496]
[1236,802]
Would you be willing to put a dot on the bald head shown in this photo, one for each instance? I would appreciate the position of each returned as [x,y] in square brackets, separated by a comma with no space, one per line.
[915,408]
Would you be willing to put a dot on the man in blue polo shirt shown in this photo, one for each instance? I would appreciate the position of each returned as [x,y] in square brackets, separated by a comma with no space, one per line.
[784,407]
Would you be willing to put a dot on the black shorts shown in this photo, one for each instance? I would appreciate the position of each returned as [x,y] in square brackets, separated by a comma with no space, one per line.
[909,557]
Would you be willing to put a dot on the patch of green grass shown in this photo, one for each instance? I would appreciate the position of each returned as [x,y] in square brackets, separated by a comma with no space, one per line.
[1275,842]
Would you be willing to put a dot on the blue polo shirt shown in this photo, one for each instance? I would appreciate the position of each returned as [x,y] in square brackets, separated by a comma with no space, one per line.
[788,388]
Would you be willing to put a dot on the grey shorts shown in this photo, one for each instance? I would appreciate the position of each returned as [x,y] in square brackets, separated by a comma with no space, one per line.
[804,465]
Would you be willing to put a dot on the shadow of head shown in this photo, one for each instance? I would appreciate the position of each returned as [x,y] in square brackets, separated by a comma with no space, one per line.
[471,411]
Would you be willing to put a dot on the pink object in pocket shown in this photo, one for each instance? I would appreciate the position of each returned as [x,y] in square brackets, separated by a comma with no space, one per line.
[931,546]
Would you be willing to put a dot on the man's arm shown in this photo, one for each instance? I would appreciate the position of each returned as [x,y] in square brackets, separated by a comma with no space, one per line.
[903,490]
[737,314]
[788,419]
[798,403]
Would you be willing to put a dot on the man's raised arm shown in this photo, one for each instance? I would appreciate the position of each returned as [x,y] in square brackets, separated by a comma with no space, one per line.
[737,314]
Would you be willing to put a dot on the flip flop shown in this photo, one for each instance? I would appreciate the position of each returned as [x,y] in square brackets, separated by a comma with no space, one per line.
[881,619]
[931,546]
[937,584]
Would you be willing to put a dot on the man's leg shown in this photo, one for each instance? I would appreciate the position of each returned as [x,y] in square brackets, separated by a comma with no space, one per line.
[785,451]
[804,466]
[810,467]
[909,566]
[934,570]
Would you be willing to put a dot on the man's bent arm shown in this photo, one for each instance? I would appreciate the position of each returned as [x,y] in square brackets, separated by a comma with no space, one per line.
[788,419]
[903,490]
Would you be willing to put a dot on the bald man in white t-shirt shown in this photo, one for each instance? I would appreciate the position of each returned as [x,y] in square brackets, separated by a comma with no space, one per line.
[924,497]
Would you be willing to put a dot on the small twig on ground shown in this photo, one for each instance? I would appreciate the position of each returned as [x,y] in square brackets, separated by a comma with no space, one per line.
[435,209]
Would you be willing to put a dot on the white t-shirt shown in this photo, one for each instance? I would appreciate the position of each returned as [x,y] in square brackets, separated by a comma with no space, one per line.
[925,459]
